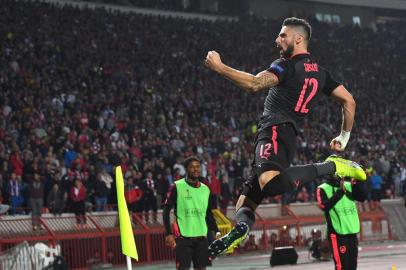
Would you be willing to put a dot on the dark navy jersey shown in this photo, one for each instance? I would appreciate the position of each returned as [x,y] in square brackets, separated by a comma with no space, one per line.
[301,80]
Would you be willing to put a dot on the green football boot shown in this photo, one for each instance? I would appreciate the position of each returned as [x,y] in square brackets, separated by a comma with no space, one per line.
[229,241]
[347,168]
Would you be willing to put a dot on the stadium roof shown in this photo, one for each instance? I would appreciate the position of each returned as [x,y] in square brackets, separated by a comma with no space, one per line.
[389,4]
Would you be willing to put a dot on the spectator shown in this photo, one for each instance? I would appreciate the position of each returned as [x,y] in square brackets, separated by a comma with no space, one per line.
[284,238]
[56,200]
[133,195]
[16,163]
[215,189]
[78,196]
[149,197]
[70,155]
[376,189]
[178,166]
[36,200]
[162,190]
[102,190]
[177,175]
[16,196]
[315,244]
[168,176]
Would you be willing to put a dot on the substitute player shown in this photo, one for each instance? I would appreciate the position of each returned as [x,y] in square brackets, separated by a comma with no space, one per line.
[194,219]
[337,200]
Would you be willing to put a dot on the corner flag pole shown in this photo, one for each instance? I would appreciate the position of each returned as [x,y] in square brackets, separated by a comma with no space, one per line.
[126,232]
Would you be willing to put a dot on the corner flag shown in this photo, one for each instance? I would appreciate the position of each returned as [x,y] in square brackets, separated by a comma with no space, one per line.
[126,232]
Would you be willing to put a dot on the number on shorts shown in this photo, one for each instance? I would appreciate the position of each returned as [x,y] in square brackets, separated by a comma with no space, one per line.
[264,153]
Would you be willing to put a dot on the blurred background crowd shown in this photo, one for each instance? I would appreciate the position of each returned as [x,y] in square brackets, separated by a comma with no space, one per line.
[82,91]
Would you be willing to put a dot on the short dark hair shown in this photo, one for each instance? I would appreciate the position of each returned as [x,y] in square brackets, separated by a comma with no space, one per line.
[190,160]
[296,22]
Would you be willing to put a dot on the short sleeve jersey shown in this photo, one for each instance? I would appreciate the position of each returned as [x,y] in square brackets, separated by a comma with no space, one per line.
[301,80]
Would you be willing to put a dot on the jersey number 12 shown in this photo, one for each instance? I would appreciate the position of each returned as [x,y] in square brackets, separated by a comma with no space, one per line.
[300,106]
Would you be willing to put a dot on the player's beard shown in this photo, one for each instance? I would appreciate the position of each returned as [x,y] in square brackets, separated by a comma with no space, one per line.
[288,52]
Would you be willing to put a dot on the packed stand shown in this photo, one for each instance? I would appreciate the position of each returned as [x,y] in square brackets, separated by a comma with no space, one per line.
[84,90]
[223,7]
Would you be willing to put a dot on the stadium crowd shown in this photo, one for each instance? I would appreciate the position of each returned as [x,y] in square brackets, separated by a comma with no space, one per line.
[84,90]
[224,7]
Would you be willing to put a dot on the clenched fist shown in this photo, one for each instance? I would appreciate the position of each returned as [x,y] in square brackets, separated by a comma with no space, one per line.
[335,145]
[340,142]
[170,241]
[213,61]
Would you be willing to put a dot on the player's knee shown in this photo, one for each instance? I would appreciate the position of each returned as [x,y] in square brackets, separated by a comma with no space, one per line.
[244,201]
[279,184]
[266,177]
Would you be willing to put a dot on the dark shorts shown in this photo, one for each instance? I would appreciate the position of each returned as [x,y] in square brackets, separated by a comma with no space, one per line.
[192,250]
[275,148]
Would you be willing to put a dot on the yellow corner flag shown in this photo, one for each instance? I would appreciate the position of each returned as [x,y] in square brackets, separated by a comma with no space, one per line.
[126,232]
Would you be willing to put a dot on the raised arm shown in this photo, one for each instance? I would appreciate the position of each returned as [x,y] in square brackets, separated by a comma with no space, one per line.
[341,95]
[247,81]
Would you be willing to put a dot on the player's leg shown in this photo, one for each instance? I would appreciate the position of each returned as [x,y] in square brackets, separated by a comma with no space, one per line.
[349,252]
[245,218]
[275,178]
[183,253]
[267,156]
[200,254]
[275,183]
[248,201]
[345,251]
[333,239]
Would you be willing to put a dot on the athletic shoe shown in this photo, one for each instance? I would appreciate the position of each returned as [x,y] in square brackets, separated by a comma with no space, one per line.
[347,168]
[230,240]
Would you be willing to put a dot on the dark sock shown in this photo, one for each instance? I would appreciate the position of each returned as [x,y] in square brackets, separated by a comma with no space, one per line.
[301,174]
[325,168]
[295,176]
[247,215]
